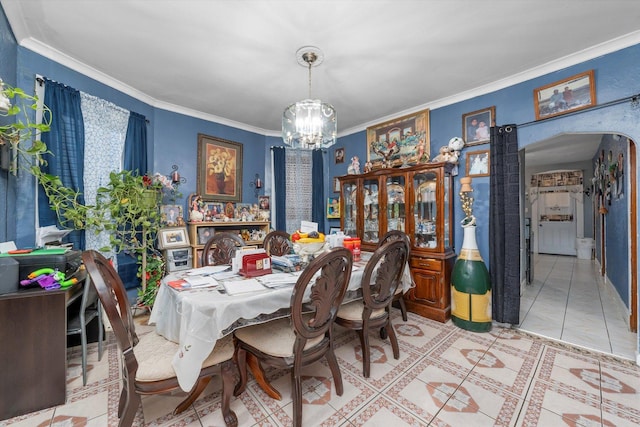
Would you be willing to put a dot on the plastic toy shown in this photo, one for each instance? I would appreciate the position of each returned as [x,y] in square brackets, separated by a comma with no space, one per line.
[48,278]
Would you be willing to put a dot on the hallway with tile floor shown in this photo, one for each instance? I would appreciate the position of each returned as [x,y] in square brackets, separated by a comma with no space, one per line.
[445,377]
[569,301]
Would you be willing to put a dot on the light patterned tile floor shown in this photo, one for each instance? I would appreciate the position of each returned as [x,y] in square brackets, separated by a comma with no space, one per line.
[445,376]
[569,301]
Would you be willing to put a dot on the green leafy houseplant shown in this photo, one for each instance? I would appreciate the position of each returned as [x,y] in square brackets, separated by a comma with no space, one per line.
[127,207]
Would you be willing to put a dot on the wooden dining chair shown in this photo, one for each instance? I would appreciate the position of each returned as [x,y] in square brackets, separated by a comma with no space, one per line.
[381,277]
[277,243]
[147,360]
[389,237]
[221,248]
[292,343]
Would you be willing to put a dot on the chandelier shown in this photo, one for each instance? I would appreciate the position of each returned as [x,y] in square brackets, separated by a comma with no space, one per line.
[310,123]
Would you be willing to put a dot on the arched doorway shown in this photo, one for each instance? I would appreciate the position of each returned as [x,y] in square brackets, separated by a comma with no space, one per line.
[564,287]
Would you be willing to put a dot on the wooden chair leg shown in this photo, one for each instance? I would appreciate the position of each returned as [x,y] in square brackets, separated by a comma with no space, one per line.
[193,395]
[240,359]
[129,410]
[335,372]
[228,378]
[296,395]
[394,340]
[258,373]
[403,308]
[364,343]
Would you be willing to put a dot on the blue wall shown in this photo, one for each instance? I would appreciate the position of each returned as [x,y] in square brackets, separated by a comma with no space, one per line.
[174,136]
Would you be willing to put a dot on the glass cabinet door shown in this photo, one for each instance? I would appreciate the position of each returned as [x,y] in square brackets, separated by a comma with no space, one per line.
[425,210]
[370,210]
[396,203]
[349,200]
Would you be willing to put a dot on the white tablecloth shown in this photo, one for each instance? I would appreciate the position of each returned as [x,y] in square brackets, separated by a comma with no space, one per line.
[197,318]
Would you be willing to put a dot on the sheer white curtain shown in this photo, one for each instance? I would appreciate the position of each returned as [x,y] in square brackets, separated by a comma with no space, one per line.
[105,129]
[299,166]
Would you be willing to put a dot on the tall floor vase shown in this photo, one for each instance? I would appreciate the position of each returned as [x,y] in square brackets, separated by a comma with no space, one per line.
[470,285]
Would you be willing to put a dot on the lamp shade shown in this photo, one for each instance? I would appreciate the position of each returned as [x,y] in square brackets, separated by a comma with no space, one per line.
[309,124]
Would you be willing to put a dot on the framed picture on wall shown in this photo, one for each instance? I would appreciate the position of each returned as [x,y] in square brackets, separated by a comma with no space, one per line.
[336,185]
[219,176]
[333,207]
[564,96]
[476,126]
[478,163]
[339,155]
[404,140]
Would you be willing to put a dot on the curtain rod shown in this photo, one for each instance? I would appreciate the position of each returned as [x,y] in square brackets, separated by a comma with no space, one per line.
[635,100]
[40,79]
[324,150]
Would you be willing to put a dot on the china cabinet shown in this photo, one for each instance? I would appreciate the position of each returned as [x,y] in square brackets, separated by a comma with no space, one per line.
[252,232]
[418,201]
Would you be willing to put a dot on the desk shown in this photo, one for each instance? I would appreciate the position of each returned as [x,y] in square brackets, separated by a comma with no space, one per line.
[33,355]
[197,318]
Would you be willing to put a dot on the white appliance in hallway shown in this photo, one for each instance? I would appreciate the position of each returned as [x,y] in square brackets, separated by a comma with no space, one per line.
[557,218]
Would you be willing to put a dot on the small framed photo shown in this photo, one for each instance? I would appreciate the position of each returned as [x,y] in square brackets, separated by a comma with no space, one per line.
[334,230]
[263,203]
[571,94]
[476,126]
[333,207]
[173,237]
[169,215]
[478,163]
[339,155]
[204,234]
[336,185]
[213,211]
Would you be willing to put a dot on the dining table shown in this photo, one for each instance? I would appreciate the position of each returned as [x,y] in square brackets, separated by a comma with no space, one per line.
[197,316]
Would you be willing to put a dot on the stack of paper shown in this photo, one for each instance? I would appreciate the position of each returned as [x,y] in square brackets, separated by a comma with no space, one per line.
[278,280]
[201,281]
[235,287]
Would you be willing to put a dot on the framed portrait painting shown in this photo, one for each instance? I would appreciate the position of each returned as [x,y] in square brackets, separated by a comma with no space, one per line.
[401,141]
[339,155]
[476,126]
[478,163]
[219,169]
[571,94]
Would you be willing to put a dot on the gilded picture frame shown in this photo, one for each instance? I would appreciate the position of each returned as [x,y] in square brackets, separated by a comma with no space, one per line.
[565,96]
[401,141]
[173,237]
[219,175]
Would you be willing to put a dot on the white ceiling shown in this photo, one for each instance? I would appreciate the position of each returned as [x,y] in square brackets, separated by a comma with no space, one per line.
[234,61]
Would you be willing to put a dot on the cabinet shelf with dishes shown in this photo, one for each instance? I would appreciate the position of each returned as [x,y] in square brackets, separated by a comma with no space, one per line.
[418,201]
[252,232]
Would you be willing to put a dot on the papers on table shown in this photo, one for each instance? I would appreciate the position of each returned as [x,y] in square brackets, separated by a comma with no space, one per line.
[235,287]
[210,269]
[201,281]
[279,280]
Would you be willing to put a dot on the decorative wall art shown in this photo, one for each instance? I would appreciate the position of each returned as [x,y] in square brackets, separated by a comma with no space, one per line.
[401,141]
[339,155]
[219,169]
[478,163]
[333,207]
[572,94]
[476,126]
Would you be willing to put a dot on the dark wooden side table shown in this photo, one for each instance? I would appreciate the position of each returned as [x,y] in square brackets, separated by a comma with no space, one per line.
[33,349]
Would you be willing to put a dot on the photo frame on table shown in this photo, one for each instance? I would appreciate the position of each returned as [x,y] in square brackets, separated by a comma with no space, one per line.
[173,237]
[339,155]
[336,185]
[219,175]
[204,234]
[564,96]
[169,215]
[213,210]
[333,207]
[478,163]
[476,126]
[401,141]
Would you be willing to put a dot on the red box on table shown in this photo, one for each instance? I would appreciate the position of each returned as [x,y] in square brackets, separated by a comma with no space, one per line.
[256,265]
